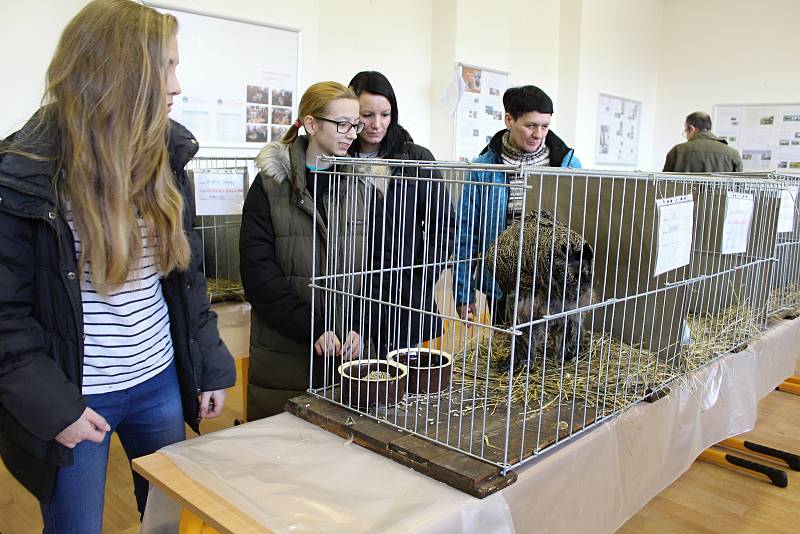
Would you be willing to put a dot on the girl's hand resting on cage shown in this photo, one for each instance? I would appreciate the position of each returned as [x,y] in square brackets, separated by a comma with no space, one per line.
[329,345]
[352,346]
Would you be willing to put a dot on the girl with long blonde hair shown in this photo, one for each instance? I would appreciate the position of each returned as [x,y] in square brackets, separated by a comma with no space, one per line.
[103,312]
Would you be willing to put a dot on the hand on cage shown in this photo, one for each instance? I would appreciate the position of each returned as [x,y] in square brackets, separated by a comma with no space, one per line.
[329,345]
[352,346]
[467,311]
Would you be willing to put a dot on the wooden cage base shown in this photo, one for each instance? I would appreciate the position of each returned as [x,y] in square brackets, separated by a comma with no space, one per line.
[451,467]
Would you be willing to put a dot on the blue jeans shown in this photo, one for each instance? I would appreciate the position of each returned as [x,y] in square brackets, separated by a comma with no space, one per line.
[146,417]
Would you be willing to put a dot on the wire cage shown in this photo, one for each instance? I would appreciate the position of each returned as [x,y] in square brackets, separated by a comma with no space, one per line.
[732,263]
[784,299]
[579,280]
[220,185]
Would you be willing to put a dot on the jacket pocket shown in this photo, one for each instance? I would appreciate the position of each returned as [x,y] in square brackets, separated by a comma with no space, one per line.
[48,452]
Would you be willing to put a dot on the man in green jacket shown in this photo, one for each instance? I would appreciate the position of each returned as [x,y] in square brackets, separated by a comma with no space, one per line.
[703,151]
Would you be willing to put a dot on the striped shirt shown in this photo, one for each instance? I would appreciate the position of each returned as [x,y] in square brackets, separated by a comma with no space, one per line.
[127,337]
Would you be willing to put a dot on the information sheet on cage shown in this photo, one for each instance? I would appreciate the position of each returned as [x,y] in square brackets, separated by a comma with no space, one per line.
[675,223]
[219,191]
[237,93]
[786,211]
[738,217]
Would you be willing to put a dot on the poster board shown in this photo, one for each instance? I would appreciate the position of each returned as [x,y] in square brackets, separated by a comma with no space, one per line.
[239,79]
[766,135]
[479,114]
[618,128]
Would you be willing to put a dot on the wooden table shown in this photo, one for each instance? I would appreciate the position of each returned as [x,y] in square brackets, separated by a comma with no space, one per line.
[193,497]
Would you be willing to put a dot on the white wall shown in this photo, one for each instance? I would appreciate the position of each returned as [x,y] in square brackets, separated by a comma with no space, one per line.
[676,56]
[723,52]
[28,40]
[442,64]
[521,40]
[392,37]
[618,55]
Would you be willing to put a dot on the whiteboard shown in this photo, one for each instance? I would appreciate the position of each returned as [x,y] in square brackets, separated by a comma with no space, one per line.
[617,137]
[766,135]
[479,114]
[239,79]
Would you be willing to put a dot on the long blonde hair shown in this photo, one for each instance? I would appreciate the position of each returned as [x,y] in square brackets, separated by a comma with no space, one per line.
[106,96]
[315,102]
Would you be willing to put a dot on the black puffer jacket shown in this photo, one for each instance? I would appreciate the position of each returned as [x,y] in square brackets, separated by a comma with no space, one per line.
[420,230]
[41,317]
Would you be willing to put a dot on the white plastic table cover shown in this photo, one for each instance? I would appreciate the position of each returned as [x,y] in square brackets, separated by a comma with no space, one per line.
[292,476]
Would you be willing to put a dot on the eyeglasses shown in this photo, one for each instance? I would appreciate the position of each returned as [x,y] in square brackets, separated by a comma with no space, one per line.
[343,127]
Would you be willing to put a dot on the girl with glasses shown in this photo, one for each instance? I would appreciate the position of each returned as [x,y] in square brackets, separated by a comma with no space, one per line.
[288,203]
[419,217]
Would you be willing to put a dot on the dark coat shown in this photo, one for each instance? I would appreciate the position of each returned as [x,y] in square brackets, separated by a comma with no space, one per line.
[278,244]
[41,316]
[420,230]
[704,152]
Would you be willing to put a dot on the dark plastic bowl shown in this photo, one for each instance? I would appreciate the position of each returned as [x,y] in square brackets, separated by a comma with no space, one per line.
[428,369]
[362,392]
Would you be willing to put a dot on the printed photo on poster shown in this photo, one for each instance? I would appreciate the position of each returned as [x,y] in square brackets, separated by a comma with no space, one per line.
[472,79]
[257,133]
[282,116]
[257,114]
[257,94]
[281,97]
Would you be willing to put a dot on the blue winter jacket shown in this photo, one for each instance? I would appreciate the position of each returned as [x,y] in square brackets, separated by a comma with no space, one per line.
[481,216]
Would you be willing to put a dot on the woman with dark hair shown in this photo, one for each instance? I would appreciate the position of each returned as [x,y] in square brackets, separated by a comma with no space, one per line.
[104,317]
[419,220]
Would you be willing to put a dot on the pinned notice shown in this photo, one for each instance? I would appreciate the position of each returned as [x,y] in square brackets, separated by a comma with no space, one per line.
[675,224]
[786,210]
[219,191]
[738,217]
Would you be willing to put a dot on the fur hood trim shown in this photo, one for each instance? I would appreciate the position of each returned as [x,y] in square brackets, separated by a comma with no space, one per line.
[273,161]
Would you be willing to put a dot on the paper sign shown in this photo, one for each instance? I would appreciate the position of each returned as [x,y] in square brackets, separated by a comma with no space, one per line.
[675,223]
[219,191]
[786,210]
[736,228]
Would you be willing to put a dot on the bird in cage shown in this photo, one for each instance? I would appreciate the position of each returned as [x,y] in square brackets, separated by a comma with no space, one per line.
[555,278]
